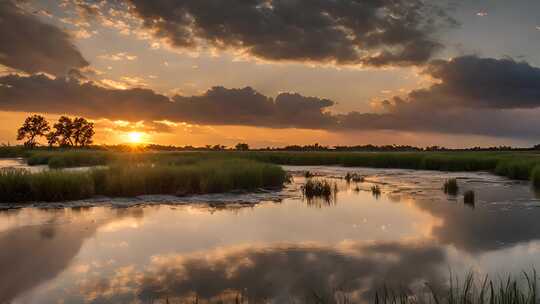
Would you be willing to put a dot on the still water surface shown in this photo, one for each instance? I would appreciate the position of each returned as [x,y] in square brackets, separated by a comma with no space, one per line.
[272,251]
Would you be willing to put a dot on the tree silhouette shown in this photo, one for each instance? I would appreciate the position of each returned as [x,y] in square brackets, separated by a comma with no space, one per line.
[83,131]
[69,132]
[242,147]
[33,127]
[62,133]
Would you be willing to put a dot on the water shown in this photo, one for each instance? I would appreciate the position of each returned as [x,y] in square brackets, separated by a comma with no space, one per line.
[270,251]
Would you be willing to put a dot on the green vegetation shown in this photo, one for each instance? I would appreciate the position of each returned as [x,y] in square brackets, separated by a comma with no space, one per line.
[315,188]
[451,186]
[354,177]
[509,291]
[71,158]
[376,190]
[469,197]
[131,179]
[515,164]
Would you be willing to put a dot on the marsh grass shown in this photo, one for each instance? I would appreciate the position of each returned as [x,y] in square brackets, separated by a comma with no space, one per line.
[308,174]
[376,190]
[469,197]
[72,158]
[451,187]
[511,290]
[471,291]
[137,179]
[315,189]
[354,177]
[515,165]
[535,176]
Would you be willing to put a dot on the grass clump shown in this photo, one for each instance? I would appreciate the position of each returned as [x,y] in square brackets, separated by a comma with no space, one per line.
[450,186]
[308,174]
[376,190]
[469,197]
[69,159]
[315,188]
[535,176]
[354,177]
[138,179]
[471,291]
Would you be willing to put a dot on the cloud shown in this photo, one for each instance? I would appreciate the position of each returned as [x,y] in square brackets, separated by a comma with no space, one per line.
[397,32]
[30,45]
[118,56]
[220,106]
[279,273]
[470,96]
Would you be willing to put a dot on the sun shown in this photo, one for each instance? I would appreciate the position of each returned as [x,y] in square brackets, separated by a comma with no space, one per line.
[135,137]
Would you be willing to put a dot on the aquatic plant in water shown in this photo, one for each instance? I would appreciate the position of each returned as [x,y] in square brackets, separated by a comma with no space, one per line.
[376,190]
[451,186]
[469,197]
[354,177]
[315,188]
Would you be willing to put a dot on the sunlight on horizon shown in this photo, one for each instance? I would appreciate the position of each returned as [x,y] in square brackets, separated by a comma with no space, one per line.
[136,137]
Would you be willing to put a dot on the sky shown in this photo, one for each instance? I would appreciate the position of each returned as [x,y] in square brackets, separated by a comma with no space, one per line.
[276,72]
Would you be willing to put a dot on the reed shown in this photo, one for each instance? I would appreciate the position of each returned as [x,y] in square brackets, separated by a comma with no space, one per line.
[376,190]
[137,179]
[469,197]
[471,291]
[516,165]
[315,188]
[450,186]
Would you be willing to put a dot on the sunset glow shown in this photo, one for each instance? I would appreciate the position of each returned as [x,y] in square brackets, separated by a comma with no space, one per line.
[343,75]
[135,137]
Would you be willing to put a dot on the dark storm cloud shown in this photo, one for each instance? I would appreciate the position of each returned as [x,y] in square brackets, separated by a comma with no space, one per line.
[473,95]
[475,82]
[219,106]
[484,96]
[375,32]
[248,107]
[30,45]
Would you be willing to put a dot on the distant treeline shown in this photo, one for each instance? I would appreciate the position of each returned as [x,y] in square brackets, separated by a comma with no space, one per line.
[315,147]
[296,148]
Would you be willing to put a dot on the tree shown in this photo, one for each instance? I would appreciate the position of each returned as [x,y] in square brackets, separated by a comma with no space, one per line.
[62,133]
[33,127]
[71,133]
[82,132]
[242,147]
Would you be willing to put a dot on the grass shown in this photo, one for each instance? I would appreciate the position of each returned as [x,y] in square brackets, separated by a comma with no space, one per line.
[376,190]
[471,291]
[354,177]
[451,186]
[71,158]
[469,197]
[515,165]
[315,188]
[133,179]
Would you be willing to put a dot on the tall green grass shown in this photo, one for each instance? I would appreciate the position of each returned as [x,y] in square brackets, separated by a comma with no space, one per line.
[515,165]
[212,176]
[68,159]
[471,291]
[450,186]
